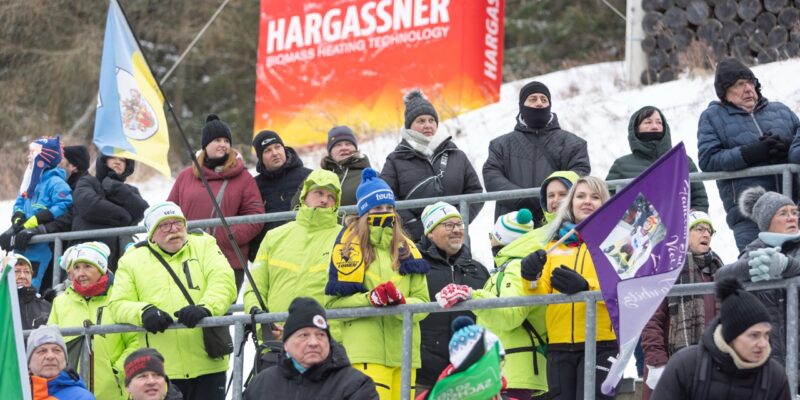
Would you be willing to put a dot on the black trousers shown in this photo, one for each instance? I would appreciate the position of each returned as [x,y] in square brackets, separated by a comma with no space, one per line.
[238,275]
[204,387]
[565,373]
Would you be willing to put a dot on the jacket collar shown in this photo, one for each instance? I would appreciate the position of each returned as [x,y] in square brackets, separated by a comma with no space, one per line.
[292,161]
[337,359]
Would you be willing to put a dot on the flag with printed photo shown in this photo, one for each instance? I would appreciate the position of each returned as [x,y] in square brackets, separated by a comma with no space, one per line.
[638,242]
[130,120]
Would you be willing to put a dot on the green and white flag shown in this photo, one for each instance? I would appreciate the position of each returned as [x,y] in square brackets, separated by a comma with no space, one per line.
[13,365]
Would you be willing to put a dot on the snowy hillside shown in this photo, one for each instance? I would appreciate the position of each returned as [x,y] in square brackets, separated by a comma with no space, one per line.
[592,101]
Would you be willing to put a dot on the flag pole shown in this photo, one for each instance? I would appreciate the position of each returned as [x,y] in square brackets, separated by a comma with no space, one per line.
[196,164]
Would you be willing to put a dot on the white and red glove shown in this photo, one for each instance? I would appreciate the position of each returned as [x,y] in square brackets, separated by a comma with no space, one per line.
[453,294]
[386,294]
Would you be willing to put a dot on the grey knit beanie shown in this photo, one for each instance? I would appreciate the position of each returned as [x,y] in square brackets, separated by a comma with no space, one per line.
[416,105]
[760,206]
[42,335]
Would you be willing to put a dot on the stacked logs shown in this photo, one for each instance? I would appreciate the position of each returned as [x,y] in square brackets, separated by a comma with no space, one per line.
[754,31]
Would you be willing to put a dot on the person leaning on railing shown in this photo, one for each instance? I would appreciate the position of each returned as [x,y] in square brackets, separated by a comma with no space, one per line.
[775,254]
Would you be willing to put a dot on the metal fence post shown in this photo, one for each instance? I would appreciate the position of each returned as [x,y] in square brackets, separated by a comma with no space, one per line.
[787,183]
[58,248]
[408,329]
[791,336]
[590,349]
[238,361]
[84,358]
[463,207]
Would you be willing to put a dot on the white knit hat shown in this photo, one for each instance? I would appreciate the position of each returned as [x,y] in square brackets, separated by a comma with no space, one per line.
[697,217]
[93,253]
[437,213]
[512,225]
[157,213]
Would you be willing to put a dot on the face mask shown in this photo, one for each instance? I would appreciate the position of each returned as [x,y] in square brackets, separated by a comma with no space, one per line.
[382,220]
[650,136]
[535,118]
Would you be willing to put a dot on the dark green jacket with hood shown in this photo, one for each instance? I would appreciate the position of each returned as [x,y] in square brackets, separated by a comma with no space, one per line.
[646,153]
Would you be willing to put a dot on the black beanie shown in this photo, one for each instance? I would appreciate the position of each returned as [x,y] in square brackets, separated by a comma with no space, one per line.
[416,105]
[305,312]
[264,139]
[531,88]
[339,134]
[739,309]
[214,128]
[77,156]
[728,72]
[144,360]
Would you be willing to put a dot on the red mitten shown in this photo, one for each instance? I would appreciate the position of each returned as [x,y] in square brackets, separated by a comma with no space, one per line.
[378,296]
[453,294]
[395,295]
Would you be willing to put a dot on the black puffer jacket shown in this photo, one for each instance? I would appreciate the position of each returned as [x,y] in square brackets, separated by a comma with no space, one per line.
[435,328]
[34,311]
[106,201]
[64,222]
[332,379]
[411,174]
[644,154]
[703,371]
[278,187]
[774,300]
[523,158]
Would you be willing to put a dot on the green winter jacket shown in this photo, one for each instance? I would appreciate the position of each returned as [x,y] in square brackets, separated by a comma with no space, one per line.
[142,280]
[379,340]
[71,309]
[643,154]
[509,325]
[293,259]
[535,239]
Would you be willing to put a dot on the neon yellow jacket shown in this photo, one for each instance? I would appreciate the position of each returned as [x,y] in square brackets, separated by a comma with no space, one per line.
[70,309]
[293,259]
[142,280]
[379,340]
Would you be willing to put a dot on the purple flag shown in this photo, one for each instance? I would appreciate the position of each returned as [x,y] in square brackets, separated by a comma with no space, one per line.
[638,242]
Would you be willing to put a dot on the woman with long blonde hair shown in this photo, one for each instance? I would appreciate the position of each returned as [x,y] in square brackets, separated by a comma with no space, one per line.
[374,263]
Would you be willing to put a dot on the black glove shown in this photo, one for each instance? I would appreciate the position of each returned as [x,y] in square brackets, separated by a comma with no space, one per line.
[44,216]
[110,185]
[756,153]
[191,315]
[7,239]
[778,148]
[155,320]
[24,236]
[50,295]
[18,219]
[568,281]
[533,264]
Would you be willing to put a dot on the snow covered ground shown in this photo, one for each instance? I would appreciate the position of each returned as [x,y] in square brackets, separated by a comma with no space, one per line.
[592,101]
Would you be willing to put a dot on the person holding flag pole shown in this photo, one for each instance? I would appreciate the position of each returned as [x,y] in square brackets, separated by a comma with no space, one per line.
[130,120]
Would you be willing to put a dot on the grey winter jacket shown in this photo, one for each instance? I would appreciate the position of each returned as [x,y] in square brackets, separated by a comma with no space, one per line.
[411,175]
[704,372]
[724,128]
[523,158]
[644,154]
[332,379]
[774,300]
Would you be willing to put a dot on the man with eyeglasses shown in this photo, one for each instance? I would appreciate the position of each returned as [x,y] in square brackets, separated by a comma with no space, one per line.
[147,295]
[453,271]
[679,321]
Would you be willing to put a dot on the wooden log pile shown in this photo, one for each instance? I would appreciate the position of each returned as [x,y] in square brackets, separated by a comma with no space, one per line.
[754,31]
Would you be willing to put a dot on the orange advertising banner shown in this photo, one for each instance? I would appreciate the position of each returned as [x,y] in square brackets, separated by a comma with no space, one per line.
[349,62]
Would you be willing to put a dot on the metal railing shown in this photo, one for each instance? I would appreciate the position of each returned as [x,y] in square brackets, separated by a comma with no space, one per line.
[590,298]
[407,310]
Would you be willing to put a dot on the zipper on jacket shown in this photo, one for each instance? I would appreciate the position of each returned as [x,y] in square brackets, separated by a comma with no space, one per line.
[753,117]
[344,176]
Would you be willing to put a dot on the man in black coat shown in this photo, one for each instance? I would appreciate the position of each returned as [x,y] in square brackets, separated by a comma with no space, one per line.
[451,265]
[34,311]
[106,201]
[536,148]
[311,365]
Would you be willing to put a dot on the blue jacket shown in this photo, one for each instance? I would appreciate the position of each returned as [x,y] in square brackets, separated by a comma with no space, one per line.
[52,193]
[66,386]
[724,128]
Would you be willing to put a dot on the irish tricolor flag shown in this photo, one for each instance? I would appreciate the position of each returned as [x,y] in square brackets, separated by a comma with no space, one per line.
[13,366]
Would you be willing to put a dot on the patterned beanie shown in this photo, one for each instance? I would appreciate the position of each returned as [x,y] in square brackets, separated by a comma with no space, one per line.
[93,253]
[144,360]
[512,225]
[48,154]
[372,192]
[436,213]
[760,206]
[469,342]
[159,212]
[416,105]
